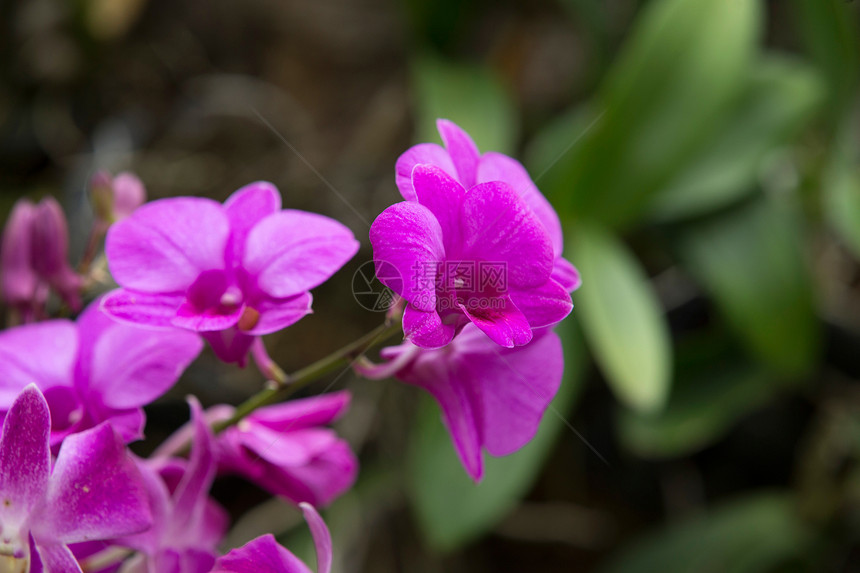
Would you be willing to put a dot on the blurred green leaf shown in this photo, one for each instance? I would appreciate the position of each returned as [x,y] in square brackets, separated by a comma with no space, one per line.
[750,260]
[704,404]
[782,96]
[829,29]
[451,509]
[749,535]
[622,319]
[686,63]
[842,203]
[470,96]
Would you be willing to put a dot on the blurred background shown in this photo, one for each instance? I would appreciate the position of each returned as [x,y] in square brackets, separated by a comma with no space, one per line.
[704,156]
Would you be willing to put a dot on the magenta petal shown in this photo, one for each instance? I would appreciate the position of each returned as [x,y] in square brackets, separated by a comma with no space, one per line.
[460,413]
[57,558]
[279,313]
[163,246]
[423,153]
[231,345]
[407,248]
[499,227]
[18,279]
[145,309]
[498,167]
[261,555]
[207,320]
[43,353]
[544,305]
[284,448]
[503,322]
[565,274]
[443,195]
[246,207]
[25,457]
[192,493]
[95,491]
[152,361]
[515,386]
[321,535]
[331,473]
[464,153]
[303,413]
[291,252]
[426,329]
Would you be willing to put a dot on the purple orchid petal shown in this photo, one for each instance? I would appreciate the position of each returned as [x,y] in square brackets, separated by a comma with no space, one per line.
[543,306]
[565,274]
[19,279]
[499,227]
[192,493]
[231,345]
[145,309]
[503,322]
[303,413]
[57,558]
[152,360]
[498,167]
[245,208]
[25,459]
[261,555]
[458,408]
[128,424]
[322,537]
[291,252]
[443,196]
[426,329]
[294,448]
[463,151]
[277,313]
[407,241]
[515,386]
[95,491]
[163,246]
[211,303]
[44,353]
[427,153]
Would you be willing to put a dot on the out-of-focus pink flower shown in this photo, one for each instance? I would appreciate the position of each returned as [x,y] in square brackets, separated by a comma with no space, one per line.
[461,160]
[93,370]
[115,198]
[187,523]
[94,491]
[231,272]
[284,448]
[34,257]
[265,555]
[491,398]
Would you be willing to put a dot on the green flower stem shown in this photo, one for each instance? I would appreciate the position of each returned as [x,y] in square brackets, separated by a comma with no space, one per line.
[292,383]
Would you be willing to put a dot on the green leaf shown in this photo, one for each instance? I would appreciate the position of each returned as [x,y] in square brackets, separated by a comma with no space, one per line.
[782,96]
[622,319]
[842,203]
[685,65]
[707,399]
[470,96]
[750,261]
[451,509]
[829,29]
[749,535]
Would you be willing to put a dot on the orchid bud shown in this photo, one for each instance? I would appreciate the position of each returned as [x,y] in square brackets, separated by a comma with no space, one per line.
[101,195]
[115,198]
[19,279]
[128,194]
[49,251]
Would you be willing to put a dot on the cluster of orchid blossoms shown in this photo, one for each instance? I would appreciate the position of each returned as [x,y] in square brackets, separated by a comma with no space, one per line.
[473,254]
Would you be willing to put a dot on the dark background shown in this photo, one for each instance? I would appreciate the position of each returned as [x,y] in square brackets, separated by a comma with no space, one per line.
[703,155]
